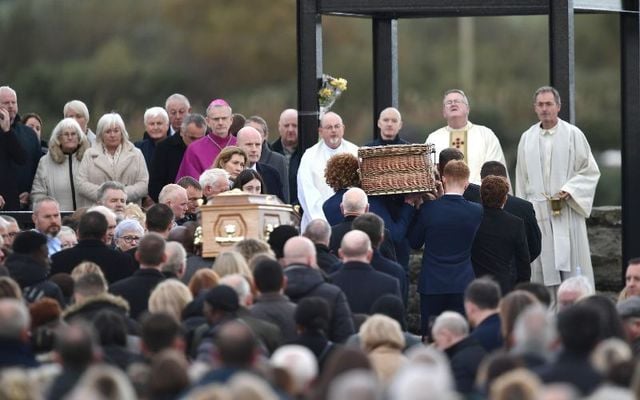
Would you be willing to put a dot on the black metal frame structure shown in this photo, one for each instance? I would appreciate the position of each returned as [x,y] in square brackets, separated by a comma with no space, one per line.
[384,15]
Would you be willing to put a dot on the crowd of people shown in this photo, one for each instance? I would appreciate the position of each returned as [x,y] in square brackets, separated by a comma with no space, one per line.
[115,300]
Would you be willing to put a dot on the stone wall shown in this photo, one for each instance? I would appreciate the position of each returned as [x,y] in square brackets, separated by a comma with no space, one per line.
[605,239]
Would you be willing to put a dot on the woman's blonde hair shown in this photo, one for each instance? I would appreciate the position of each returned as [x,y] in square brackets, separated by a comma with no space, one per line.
[86,267]
[231,262]
[380,330]
[133,211]
[9,289]
[170,296]
[226,154]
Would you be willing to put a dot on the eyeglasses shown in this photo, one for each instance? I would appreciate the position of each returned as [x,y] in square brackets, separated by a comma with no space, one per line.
[130,239]
[454,101]
[329,127]
[68,245]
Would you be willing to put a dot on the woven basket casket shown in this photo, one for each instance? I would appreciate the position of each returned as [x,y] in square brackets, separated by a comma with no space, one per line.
[404,168]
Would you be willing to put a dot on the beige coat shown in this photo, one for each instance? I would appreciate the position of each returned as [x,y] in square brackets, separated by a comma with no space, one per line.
[130,170]
[54,177]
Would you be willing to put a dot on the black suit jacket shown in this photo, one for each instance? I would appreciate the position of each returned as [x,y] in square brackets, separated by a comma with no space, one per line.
[137,288]
[114,264]
[363,285]
[271,180]
[277,161]
[294,164]
[13,157]
[499,240]
[338,231]
[165,164]
[520,208]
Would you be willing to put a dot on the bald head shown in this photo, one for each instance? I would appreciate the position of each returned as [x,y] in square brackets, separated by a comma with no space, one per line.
[356,246]
[250,140]
[354,202]
[389,122]
[300,250]
[318,231]
[288,128]
[331,130]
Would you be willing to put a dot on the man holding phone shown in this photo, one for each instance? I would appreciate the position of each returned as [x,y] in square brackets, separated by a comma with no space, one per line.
[19,161]
[11,152]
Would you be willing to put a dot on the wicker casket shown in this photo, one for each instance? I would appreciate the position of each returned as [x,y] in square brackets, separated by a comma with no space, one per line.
[405,168]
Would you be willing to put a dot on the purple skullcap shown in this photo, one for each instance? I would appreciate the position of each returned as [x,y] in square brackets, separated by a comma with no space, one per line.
[218,102]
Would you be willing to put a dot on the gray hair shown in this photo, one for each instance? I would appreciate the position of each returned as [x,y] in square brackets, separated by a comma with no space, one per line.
[211,176]
[578,284]
[299,362]
[238,283]
[453,322]
[318,231]
[179,97]
[9,219]
[77,106]
[8,89]
[106,211]
[410,383]
[355,384]
[534,331]
[128,225]
[38,203]
[155,112]
[460,92]
[113,185]
[193,118]
[260,121]
[66,230]
[107,121]
[66,123]
[168,191]
[15,318]
[4,223]
[547,89]
[176,258]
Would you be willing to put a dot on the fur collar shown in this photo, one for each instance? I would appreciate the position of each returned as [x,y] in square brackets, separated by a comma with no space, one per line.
[108,298]
[58,156]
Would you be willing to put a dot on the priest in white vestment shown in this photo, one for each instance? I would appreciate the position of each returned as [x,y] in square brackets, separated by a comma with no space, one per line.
[555,160]
[478,143]
[312,185]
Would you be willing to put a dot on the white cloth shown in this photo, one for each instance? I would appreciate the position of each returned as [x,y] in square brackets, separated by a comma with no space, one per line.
[565,245]
[313,190]
[483,145]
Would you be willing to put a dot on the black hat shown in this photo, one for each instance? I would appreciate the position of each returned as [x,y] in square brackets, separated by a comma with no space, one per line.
[279,237]
[629,308]
[223,298]
[27,242]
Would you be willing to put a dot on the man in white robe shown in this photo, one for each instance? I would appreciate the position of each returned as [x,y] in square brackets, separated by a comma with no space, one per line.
[312,185]
[478,143]
[555,160]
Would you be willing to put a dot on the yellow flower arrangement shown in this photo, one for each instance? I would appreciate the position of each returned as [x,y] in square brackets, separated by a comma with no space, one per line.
[329,92]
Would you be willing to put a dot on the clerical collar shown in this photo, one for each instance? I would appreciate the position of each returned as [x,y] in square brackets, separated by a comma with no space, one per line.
[550,131]
[464,128]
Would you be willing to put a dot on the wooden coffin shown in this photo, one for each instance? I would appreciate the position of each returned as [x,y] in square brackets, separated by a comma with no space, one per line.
[233,216]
